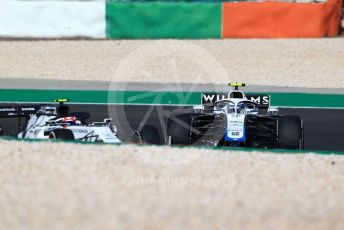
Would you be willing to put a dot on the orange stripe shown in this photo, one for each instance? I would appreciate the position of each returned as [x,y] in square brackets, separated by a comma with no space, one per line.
[281,19]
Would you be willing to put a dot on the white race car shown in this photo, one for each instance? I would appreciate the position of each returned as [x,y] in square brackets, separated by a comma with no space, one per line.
[236,119]
[56,122]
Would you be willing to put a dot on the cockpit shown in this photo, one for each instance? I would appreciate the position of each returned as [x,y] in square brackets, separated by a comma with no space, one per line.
[57,115]
[247,107]
[232,106]
[227,106]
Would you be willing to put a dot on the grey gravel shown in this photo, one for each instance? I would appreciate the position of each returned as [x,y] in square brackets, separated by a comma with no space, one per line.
[314,63]
[74,186]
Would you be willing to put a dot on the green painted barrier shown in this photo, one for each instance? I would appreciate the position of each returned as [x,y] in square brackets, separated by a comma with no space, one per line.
[160,98]
[100,97]
[150,20]
[307,100]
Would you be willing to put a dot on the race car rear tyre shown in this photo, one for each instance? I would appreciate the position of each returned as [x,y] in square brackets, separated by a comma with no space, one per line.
[61,134]
[150,135]
[178,129]
[290,132]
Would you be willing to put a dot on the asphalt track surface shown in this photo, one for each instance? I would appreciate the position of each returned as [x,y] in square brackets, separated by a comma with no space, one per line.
[22,83]
[323,128]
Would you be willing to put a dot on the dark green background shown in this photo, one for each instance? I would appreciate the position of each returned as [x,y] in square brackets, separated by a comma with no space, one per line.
[151,20]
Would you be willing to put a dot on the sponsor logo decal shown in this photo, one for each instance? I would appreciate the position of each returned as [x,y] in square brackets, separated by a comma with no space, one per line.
[80,130]
[260,99]
[235,133]
[7,109]
[28,109]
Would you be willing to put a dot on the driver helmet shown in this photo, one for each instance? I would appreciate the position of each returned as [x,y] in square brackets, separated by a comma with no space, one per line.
[62,109]
[71,120]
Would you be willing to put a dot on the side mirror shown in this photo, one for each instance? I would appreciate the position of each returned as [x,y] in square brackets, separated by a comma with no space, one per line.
[198,108]
[107,120]
[273,110]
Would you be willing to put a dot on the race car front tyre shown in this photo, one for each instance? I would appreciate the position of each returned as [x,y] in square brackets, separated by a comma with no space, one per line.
[178,129]
[290,132]
[150,135]
[61,134]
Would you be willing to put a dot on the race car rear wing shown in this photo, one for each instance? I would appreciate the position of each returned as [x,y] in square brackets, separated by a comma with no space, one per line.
[263,100]
[10,110]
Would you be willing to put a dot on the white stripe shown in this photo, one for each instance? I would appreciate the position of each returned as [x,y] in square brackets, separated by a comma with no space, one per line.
[52,19]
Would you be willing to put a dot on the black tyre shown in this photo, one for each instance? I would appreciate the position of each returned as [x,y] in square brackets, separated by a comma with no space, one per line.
[178,129]
[1,131]
[290,132]
[61,134]
[150,135]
